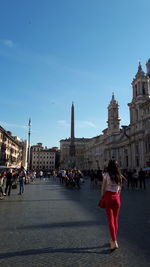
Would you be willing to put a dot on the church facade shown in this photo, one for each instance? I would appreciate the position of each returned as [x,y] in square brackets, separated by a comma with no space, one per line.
[128,144]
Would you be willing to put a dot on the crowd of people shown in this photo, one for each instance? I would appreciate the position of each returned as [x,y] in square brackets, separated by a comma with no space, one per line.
[71,178]
[17,178]
[13,179]
[111,181]
[136,179]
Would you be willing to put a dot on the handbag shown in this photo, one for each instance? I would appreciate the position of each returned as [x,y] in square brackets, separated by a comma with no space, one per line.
[101,203]
[14,186]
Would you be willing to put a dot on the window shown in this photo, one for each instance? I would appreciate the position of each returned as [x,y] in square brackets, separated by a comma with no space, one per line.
[143,88]
[136,90]
[136,149]
[127,161]
[137,161]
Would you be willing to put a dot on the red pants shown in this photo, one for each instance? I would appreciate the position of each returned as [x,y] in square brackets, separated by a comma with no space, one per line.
[112,203]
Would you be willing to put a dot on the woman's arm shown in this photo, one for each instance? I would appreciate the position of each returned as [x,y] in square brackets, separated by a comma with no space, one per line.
[123,177]
[103,188]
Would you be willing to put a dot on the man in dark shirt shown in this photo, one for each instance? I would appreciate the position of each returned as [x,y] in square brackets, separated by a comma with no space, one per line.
[8,182]
[142,178]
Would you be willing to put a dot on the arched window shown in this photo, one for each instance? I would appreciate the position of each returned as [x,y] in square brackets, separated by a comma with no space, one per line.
[143,88]
[136,90]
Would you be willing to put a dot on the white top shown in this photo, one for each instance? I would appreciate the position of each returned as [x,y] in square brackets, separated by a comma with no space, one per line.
[1,181]
[63,173]
[110,186]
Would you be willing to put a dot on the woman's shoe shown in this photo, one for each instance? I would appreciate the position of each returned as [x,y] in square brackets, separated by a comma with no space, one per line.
[116,244]
[113,245]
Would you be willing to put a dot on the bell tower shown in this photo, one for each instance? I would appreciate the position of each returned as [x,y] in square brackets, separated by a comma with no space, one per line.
[140,85]
[141,92]
[148,67]
[113,116]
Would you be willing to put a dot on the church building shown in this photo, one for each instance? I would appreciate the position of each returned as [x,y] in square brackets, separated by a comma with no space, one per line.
[128,144]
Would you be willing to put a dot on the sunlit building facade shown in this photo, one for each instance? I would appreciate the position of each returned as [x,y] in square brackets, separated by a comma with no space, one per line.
[42,158]
[13,151]
[128,144]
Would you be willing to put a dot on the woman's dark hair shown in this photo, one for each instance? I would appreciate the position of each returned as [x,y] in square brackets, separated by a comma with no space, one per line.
[114,172]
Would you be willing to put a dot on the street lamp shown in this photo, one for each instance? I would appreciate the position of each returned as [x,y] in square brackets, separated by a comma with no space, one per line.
[29,134]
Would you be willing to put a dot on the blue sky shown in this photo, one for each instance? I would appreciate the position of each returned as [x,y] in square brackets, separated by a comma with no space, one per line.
[53,52]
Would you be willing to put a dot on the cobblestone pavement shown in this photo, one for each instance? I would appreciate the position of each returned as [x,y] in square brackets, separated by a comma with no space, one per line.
[51,225]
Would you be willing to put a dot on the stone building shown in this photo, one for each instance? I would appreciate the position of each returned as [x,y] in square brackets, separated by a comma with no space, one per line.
[13,151]
[57,156]
[66,159]
[128,144]
[72,149]
[42,158]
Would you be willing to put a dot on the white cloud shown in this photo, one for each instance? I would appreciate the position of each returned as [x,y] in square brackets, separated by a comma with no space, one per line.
[90,124]
[6,42]
[63,123]
[85,124]
[78,124]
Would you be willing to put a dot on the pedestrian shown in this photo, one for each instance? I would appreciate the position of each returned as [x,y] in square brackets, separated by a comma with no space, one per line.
[14,179]
[63,175]
[9,180]
[34,176]
[142,179]
[111,188]
[1,186]
[135,178]
[41,174]
[77,178]
[22,177]
[92,177]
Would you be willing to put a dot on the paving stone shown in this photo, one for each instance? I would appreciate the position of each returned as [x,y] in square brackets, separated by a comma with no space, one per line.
[51,225]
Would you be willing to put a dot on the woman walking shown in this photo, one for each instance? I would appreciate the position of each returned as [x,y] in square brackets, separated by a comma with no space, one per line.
[111,187]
